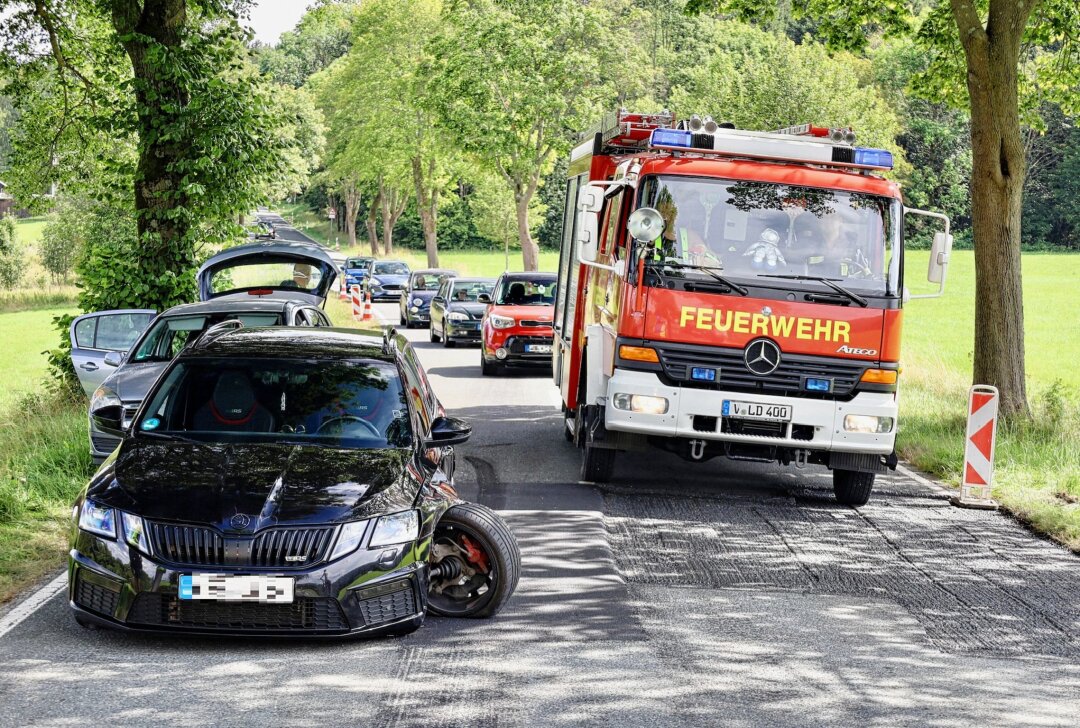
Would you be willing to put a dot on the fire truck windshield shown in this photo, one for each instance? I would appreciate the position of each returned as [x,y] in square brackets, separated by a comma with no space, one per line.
[752,231]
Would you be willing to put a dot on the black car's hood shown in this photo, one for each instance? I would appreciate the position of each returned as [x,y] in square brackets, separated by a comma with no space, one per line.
[209,483]
[472,308]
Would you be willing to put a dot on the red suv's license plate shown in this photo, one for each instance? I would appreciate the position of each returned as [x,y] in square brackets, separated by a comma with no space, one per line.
[757,411]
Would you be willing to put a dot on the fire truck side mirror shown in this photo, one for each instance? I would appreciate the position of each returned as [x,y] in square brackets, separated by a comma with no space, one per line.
[590,201]
[940,250]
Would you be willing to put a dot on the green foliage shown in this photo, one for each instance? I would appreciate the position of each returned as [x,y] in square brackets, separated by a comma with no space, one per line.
[322,36]
[11,256]
[64,234]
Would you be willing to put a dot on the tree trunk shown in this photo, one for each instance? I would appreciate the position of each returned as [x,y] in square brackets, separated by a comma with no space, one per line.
[530,252]
[165,246]
[997,185]
[351,195]
[371,221]
[427,205]
[393,204]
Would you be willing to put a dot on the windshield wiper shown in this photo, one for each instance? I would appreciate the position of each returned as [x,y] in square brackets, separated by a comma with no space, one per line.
[827,281]
[710,270]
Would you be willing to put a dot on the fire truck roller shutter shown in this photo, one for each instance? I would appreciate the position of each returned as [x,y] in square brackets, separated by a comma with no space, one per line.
[815,424]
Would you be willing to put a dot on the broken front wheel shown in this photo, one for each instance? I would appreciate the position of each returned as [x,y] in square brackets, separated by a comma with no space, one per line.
[475,563]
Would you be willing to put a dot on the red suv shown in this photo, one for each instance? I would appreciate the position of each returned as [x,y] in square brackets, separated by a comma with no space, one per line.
[516,329]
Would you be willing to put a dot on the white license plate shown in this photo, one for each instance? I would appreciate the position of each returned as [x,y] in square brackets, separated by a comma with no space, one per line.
[228,588]
[757,411]
[538,348]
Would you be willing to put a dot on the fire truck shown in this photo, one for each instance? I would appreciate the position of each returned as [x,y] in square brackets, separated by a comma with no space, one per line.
[734,293]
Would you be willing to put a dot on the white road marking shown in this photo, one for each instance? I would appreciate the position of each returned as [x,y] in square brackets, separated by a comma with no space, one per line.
[932,484]
[32,603]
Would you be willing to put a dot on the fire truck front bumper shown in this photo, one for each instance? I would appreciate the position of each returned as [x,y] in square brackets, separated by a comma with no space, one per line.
[639,402]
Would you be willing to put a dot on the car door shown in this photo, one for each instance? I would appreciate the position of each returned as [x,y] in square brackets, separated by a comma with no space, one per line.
[438,305]
[95,335]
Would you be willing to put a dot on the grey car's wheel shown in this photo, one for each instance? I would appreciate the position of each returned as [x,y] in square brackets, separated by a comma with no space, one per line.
[446,341]
[852,488]
[432,336]
[475,563]
[404,321]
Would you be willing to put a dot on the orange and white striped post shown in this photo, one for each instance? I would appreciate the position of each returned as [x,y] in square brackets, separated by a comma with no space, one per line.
[357,303]
[979,449]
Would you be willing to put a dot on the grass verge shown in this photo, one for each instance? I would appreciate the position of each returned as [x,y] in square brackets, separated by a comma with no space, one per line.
[23,299]
[44,461]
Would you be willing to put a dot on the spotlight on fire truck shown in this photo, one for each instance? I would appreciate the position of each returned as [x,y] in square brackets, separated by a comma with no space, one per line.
[645,224]
[695,123]
[709,126]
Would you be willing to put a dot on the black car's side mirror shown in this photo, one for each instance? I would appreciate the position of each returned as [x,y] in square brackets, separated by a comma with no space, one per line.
[447,431]
[115,358]
[484,298]
[109,419]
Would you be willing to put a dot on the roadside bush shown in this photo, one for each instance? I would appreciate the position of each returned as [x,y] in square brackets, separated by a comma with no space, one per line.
[11,258]
[60,243]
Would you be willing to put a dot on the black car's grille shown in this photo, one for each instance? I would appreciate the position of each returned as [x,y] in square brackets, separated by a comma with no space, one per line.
[95,598]
[389,607]
[306,614]
[273,548]
[788,379]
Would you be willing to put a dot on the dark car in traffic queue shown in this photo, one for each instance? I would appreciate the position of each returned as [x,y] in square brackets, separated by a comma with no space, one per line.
[415,300]
[457,308]
[386,279]
[517,329]
[283,481]
[118,354]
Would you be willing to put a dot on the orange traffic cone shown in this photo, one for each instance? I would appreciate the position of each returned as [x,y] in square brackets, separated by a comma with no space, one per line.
[369,312]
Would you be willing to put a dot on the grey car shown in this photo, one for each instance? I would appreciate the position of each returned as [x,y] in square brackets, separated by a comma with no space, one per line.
[119,354]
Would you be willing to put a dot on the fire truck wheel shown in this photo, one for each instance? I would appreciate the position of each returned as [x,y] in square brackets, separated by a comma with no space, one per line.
[852,488]
[597,464]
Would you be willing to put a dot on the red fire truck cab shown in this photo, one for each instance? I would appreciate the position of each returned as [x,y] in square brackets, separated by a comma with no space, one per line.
[735,293]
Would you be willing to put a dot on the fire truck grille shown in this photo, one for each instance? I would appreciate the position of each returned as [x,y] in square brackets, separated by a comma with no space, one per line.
[732,375]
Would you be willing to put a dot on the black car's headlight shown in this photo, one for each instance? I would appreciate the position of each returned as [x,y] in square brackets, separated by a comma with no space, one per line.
[457,316]
[94,518]
[394,529]
[349,539]
[135,532]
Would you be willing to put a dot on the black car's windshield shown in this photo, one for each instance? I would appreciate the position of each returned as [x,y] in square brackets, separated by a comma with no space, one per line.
[526,292]
[466,291]
[344,404]
[391,269]
[170,334]
[752,231]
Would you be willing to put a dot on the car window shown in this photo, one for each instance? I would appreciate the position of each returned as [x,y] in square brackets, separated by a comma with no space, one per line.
[84,333]
[350,404]
[170,334]
[357,262]
[390,269]
[527,292]
[426,281]
[111,332]
[468,291]
[420,390]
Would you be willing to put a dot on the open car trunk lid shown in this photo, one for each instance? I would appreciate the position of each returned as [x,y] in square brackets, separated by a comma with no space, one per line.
[279,269]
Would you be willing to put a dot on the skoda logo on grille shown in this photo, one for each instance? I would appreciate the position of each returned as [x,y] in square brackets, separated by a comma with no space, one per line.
[239,522]
[762,356]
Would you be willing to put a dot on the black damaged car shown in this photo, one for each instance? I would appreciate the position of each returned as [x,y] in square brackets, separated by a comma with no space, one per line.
[286,482]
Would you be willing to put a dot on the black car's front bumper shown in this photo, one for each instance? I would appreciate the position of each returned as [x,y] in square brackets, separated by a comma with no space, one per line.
[369,592]
[465,331]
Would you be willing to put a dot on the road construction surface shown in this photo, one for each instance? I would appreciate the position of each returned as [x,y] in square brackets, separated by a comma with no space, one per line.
[722,594]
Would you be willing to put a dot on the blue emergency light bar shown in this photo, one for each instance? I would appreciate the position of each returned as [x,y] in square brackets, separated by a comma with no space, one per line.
[762,145]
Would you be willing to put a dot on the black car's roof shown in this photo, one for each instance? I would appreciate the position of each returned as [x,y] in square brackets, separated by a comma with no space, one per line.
[473,280]
[233,303]
[287,342]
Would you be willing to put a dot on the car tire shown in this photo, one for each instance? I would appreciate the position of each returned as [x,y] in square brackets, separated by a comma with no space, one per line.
[432,336]
[404,321]
[488,368]
[446,341]
[495,539]
[852,488]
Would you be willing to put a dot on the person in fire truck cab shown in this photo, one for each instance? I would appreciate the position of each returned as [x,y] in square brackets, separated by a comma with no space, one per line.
[682,239]
[828,247]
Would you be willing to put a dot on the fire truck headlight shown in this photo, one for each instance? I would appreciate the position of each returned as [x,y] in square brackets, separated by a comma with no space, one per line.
[640,403]
[501,322]
[868,424]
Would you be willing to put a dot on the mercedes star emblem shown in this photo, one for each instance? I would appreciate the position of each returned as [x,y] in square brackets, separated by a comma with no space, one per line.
[239,522]
[762,356]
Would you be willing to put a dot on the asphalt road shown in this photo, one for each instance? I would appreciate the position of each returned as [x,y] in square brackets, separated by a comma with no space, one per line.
[719,594]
